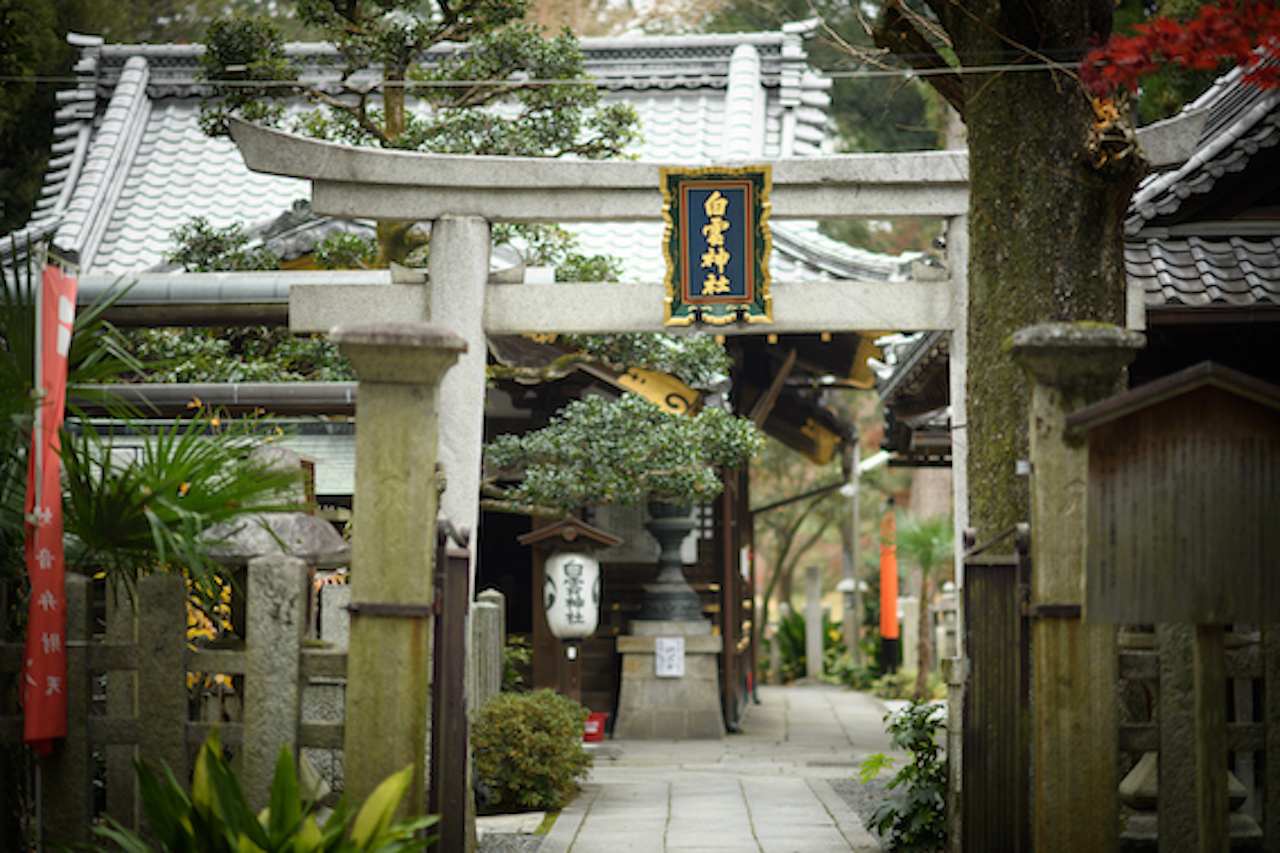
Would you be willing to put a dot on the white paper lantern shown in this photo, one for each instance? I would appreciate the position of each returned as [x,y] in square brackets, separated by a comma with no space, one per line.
[571,595]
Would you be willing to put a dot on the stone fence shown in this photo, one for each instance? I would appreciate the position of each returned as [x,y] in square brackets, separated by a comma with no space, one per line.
[129,696]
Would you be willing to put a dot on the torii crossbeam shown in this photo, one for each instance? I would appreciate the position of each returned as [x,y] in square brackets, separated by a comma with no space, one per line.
[462,195]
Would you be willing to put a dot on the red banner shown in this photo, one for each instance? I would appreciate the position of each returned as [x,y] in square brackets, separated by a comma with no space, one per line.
[44,676]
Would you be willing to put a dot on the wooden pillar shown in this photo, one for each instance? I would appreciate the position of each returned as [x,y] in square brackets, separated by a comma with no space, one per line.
[1271,713]
[123,802]
[399,366]
[448,783]
[1208,661]
[1177,809]
[1074,726]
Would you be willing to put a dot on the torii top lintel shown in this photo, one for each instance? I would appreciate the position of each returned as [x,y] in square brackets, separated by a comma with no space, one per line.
[411,186]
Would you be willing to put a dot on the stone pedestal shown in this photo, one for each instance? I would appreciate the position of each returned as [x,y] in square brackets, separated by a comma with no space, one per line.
[654,707]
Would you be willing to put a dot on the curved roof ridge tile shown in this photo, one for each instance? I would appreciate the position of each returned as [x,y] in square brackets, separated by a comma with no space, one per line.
[1146,204]
[104,162]
[744,105]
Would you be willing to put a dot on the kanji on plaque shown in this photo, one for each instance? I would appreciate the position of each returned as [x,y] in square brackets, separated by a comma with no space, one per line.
[717,245]
[44,698]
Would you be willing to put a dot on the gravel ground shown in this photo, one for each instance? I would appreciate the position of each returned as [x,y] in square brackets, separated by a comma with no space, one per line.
[501,842]
[863,799]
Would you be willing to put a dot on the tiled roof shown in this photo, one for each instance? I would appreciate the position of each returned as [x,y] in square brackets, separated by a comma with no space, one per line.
[1196,272]
[131,163]
[1243,120]
[1186,254]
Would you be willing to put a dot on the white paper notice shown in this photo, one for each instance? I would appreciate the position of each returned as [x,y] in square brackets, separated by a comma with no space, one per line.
[668,656]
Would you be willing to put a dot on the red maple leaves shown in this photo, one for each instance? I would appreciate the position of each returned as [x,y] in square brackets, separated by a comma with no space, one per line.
[1246,33]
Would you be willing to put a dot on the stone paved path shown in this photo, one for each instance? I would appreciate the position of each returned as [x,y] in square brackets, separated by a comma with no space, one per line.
[764,789]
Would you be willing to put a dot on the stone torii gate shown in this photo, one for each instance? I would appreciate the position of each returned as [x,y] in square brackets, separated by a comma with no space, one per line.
[462,195]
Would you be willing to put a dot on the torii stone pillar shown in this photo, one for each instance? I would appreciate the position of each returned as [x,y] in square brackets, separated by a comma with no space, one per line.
[458,270]
[400,366]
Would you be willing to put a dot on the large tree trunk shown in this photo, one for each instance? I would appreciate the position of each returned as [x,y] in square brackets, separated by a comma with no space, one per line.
[1045,218]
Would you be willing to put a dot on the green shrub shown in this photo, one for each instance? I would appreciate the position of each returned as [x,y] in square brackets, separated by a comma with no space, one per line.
[216,818]
[914,816]
[902,685]
[858,676]
[516,656]
[528,749]
[790,637]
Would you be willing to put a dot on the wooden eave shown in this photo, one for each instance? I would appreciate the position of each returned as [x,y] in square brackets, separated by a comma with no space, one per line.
[570,531]
[1207,373]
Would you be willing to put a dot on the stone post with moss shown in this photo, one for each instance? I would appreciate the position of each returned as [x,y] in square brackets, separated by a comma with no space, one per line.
[1074,729]
[399,366]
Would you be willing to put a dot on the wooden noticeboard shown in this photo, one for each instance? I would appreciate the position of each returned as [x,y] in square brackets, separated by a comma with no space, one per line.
[1184,486]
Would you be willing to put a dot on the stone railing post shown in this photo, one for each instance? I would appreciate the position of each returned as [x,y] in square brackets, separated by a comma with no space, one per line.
[488,639]
[277,623]
[1074,726]
[399,366]
[813,633]
[162,676]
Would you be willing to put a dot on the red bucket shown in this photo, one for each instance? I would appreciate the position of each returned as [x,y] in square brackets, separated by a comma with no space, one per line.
[594,729]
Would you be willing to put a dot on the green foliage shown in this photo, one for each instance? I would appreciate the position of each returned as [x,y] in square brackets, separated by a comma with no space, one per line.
[244,59]
[503,61]
[550,120]
[153,514]
[345,252]
[528,749]
[516,656]
[204,248]
[915,814]
[858,676]
[926,542]
[597,451]
[97,354]
[790,637]
[30,46]
[217,818]
[237,354]
[904,684]
[545,244]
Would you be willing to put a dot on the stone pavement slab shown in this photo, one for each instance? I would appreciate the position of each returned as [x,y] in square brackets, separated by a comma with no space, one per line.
[764,789]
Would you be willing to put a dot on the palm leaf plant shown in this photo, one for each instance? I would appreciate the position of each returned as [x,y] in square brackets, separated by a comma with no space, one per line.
[97,355]
[154,513]
[927,542]
[125,519]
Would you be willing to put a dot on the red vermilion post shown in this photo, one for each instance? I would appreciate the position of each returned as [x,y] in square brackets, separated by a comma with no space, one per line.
[889,639]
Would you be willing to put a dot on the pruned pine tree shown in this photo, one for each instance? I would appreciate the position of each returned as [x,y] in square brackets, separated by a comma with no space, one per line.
[417,75]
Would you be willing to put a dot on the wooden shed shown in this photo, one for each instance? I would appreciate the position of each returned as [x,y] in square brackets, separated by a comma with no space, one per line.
[1184,486]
